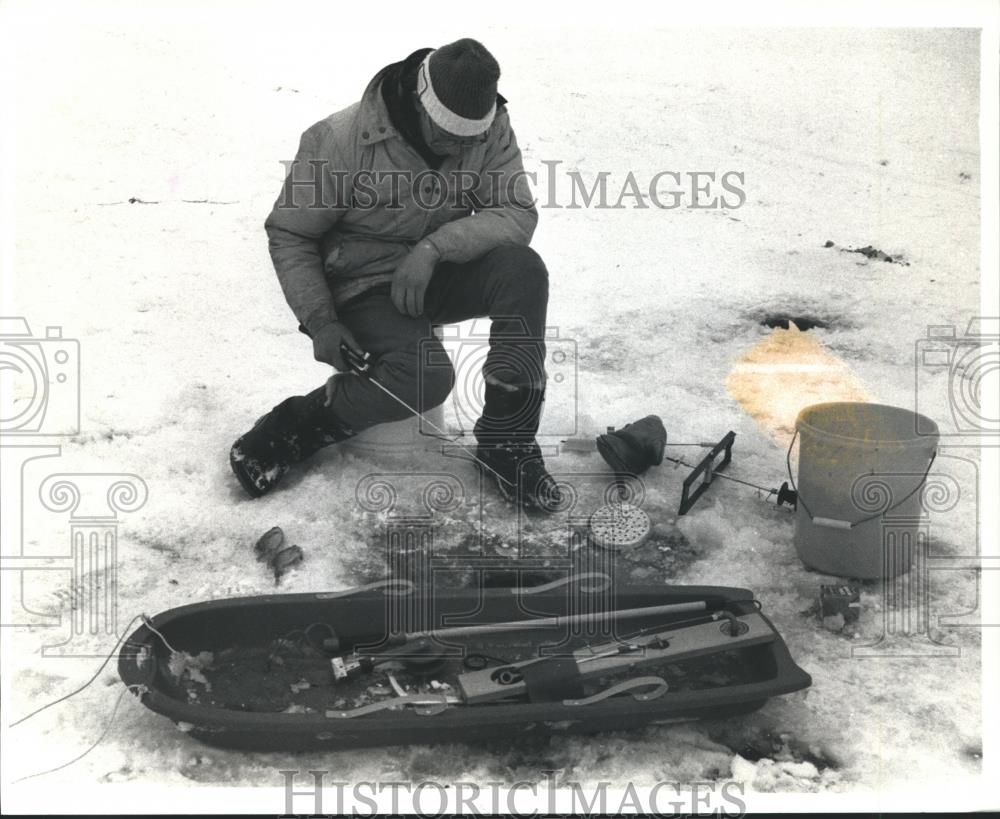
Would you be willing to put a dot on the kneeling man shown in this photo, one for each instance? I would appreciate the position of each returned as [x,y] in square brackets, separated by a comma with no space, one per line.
[407,209]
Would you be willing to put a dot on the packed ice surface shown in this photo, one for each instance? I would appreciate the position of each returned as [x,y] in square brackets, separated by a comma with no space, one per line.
[147,160]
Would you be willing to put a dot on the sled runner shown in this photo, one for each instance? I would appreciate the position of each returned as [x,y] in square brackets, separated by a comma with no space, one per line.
[390,667]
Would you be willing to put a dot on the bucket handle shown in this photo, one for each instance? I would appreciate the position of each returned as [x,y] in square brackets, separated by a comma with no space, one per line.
[834,523]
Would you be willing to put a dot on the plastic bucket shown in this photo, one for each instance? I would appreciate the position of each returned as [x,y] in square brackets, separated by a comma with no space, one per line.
[399,439]
[861,469]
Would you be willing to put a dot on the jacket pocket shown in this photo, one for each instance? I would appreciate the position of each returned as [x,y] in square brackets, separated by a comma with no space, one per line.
[352,256]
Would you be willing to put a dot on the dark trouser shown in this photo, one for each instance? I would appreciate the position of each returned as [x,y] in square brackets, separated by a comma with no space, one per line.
[509,284]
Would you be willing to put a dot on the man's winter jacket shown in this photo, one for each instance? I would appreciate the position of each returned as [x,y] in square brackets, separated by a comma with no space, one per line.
[358,197]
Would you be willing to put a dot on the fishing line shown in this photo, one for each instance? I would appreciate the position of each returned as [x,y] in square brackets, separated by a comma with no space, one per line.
[448,439]
[135,687]
[78,690]
[758,487]
[149,624]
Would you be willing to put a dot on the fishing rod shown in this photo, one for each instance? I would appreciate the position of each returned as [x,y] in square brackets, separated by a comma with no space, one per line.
[360,364]
[559,620]
[424,651]
[418,639]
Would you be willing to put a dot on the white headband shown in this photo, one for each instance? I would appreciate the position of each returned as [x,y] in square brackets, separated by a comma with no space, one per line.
[441,114]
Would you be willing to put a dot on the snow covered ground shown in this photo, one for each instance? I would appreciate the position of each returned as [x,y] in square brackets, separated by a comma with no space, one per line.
[855,137]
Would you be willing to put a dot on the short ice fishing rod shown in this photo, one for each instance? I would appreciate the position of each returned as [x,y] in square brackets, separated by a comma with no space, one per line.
[402,638]
[417,645]
[359,363]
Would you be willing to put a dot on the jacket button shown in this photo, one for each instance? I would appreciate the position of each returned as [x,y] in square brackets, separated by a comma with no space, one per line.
[364,135]
[381,129]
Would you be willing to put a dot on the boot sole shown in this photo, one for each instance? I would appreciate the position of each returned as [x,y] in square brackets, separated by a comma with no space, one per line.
[248,485]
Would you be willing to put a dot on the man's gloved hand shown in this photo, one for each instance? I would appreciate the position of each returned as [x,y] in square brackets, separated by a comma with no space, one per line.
[412,277]
[327,341]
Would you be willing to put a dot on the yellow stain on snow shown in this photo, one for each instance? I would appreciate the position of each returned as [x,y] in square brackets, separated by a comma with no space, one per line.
[787,371]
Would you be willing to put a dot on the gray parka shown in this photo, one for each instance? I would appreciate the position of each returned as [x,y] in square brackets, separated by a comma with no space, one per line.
[358,197]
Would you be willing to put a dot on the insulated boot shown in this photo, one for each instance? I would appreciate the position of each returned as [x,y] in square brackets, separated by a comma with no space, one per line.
[291,432]
[518,471]
[508,453]
[635,447]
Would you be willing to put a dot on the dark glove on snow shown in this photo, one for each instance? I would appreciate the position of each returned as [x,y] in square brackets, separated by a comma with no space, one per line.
[635,447]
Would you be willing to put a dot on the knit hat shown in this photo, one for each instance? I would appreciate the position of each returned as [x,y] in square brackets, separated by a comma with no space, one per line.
[457,85]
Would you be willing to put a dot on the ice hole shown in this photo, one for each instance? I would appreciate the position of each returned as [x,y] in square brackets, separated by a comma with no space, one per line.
[804,323]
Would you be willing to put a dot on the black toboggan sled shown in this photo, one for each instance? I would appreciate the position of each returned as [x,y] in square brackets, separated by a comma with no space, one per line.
[390,666]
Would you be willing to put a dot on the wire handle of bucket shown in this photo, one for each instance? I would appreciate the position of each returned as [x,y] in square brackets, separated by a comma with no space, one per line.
[833,523]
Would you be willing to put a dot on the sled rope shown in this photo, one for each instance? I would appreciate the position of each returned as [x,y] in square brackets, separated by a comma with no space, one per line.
[104,733]
[146,621]
[149,624]
[140,689]
[78,690]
